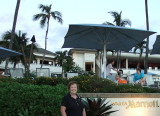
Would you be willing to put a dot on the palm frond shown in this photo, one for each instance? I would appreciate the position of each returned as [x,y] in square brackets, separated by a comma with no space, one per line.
[43,7]
[4,44]
[118,19]
[108,23]
[114,13]
[43,17]
[38,16]
[116,16]
[135,49]
[6,36]
[126,22]
[43,21]
[57,16]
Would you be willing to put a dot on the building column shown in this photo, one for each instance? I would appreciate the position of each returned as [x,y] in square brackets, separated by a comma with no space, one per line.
[94,67]
[84,63]
[126,63]
[38,61]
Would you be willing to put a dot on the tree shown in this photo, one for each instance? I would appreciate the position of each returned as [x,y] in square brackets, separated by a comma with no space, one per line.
[13,29]
[6,38]
[64,60]
[141,47]
[20,44]
[45,16]
[118,21]
[147,44]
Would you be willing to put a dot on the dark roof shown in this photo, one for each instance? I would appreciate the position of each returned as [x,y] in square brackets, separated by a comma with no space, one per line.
[41,50]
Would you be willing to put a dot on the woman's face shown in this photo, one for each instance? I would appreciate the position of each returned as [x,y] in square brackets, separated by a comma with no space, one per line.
[73,89]
[113,63]
[138,71]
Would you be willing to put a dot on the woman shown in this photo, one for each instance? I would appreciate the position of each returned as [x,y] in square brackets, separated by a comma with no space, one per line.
[109,67]
[139,77]
[118,78]
[71,103]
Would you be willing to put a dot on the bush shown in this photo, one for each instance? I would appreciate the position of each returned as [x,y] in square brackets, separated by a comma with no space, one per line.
[149,90]
[91,84]
[37,81]
[87,84]
[94,84]
[30,100]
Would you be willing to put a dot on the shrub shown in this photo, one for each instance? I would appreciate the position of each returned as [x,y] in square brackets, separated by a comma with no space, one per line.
[6,79]
[22,99]
[149,90]
[37,81]
[97,107]
[61,80]
[87,84]
[76,69]
[92,84]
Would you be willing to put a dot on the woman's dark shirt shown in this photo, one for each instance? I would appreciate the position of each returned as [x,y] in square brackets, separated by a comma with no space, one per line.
[74,107]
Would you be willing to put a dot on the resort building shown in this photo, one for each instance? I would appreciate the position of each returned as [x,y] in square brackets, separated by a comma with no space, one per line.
[88,60]
[48,62]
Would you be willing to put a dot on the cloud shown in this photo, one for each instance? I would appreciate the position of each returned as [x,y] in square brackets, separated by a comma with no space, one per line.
[56,38]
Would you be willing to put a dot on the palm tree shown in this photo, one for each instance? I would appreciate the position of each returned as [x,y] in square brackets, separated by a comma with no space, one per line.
[45,16]
[13,29]
[6,38]
[141,46]
[147,44]
[64,60]
[24,48]
[118,21]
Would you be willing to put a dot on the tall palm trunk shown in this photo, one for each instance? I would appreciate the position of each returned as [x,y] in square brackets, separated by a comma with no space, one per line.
[45,42]
[25,62]
[117,60]
[120,59]
[140,56]
[31,51]
[62,70]
[14,66]
[147,44]
[13,29]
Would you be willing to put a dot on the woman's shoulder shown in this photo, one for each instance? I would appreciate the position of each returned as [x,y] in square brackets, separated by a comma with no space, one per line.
[135,74]
[142,74]
[66,96]
[78,96]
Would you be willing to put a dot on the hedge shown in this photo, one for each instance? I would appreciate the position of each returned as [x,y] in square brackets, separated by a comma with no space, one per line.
[87,84]
[30,100]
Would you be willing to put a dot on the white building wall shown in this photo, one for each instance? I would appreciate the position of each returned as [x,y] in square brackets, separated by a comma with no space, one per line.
[81,58]
[53,69]
[78,58]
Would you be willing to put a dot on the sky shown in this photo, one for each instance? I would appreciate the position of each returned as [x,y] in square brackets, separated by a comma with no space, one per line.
[76,12]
